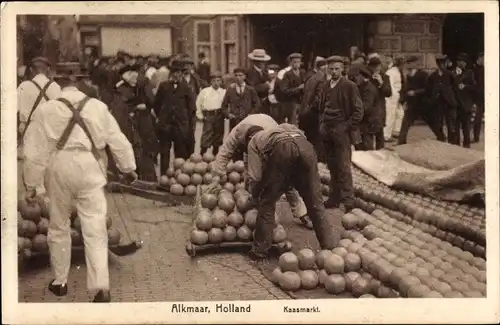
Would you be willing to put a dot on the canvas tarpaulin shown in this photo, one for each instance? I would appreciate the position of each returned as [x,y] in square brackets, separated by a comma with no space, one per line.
[437,169]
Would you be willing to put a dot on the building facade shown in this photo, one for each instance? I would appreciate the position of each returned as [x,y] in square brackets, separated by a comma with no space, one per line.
[227,39]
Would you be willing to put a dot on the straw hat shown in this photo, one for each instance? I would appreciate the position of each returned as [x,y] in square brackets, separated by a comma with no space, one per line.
[259,55]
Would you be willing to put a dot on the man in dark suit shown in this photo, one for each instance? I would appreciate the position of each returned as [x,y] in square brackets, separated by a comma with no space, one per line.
[370,124]
[257,76]
[239,101]
[466,92]
[309,109]
[292,86]
[341,111]
[175,109]
[413,96]
[382,83]
[195,83]
[441,93]
[203,69]
[479,76]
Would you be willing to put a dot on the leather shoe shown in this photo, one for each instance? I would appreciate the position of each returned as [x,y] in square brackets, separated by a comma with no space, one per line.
[102,296]
[58,289]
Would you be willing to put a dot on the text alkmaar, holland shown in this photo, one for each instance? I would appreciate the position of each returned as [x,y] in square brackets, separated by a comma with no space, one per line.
[219,308]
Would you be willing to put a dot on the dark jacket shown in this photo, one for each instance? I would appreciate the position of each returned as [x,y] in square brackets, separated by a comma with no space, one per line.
[479,76]
[122,107]
[372,117]
[384,91]
[175,108]
[465,96]
[258,81]
[195,83]
[290,86]
[441,90]
[241,105]
[203,71]
[417,83]
[341,104]
[312,93]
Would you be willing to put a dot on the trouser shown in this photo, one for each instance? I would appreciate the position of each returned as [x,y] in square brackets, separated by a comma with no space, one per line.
[146,166]
[478,122]
[309,123]
[290,111]
[463,124]
[181,147]
[277,113]
[393,117]
[411,115]
[213,131]
[449,117]
[338,158]
[75,178]
[292,162]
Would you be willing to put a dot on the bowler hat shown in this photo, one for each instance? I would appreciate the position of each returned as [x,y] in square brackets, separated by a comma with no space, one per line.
[176,65]
[374,61]
[40,59]
[335,59]
[186,60]
[259,55]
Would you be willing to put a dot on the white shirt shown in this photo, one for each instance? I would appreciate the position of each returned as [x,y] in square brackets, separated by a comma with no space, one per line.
[272,97]
[209,99]
[395,81]
[49,122]
[282,72]
[27,93]
[150,72]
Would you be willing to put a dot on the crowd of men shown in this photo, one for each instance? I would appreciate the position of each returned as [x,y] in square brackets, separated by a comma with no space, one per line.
[281,120]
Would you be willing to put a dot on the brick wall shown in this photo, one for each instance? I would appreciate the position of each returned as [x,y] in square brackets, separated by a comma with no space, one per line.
[418,35]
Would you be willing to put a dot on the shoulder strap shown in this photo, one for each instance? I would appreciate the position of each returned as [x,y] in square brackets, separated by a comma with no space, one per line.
[76,119]
[41,94]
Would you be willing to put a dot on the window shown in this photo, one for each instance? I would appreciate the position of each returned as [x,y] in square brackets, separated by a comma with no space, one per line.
[229,44]
[203,39]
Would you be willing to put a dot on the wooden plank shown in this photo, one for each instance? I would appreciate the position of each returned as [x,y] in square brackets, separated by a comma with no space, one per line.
[149,191]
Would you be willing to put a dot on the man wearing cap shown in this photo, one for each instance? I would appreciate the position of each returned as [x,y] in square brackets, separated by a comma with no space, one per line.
[309,108]
[292,86]
[257,76]
[33,92]
[347,66]
[280,158]
[208,110]
[175,109]
[442,98]
[190,77]
[65,146]
[369,125]
[382,83]
[341,111]
[240,100]
[235,142]
[414,97]
[479,76]
[394,113]
[273,106]
[466,92]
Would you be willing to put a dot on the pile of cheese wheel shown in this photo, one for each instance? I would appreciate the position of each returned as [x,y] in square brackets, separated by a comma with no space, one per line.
[33,226]
[184,176]
[227,217]
[383,257]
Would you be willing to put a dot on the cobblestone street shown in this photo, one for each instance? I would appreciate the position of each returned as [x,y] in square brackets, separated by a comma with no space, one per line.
[161,270]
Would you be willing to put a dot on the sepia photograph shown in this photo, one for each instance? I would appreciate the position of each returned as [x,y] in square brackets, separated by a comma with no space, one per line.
[226,162]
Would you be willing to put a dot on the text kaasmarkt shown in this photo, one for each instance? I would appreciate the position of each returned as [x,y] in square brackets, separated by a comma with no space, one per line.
[314,309]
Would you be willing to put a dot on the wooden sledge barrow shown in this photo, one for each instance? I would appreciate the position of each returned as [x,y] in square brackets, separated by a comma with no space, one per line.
[192,249]
[150,191]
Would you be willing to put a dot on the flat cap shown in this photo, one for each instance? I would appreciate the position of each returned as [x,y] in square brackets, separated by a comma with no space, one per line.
[320,61]
[399,59]
[40,59]
[335,59]
[346,60]
[239,70]
[295,56]
[216,74]
[131,68]
[274,67]
[462,57]
[411,59]
[364,71]
[441,57]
